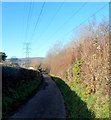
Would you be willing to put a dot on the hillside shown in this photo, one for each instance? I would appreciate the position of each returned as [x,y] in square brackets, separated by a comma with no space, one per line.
[25,59]
[23,62]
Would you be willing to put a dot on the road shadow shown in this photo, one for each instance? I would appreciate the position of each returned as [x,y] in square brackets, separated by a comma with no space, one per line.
[76,108]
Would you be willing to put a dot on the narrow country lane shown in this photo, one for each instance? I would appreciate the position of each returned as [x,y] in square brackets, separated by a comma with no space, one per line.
[47,103]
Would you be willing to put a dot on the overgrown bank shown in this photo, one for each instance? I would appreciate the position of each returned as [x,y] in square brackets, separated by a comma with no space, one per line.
[84,66]
[75,106]
[18,85]
[79,104]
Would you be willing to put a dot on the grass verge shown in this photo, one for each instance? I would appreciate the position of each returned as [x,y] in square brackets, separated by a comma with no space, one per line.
[78,104]
[75,106]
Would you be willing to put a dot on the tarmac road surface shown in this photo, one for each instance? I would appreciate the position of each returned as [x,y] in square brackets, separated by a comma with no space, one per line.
[46,103]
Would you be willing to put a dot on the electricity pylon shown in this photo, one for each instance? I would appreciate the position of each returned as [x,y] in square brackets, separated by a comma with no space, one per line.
[27,51]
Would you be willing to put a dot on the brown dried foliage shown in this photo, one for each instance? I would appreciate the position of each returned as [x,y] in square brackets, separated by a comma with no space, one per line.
[91,46]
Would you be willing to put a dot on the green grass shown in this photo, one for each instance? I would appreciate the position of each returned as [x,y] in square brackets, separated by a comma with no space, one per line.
[17,96]
[75,106]
[80,105]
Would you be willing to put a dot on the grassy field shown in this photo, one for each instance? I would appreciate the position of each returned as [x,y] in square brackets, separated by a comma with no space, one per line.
[80,105]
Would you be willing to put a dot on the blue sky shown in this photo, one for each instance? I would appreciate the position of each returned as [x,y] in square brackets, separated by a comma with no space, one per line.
[19,19]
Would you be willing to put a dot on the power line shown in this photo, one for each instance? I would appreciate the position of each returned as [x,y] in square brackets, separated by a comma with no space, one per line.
[87,19]
[74,14]
[53,17]
[38,20]
[27,21]
[69,19]
[29,18]
[56,12]
[24,21]
[83,21]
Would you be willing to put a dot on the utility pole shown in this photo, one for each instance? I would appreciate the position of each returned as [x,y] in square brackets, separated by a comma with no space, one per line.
[27,51]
